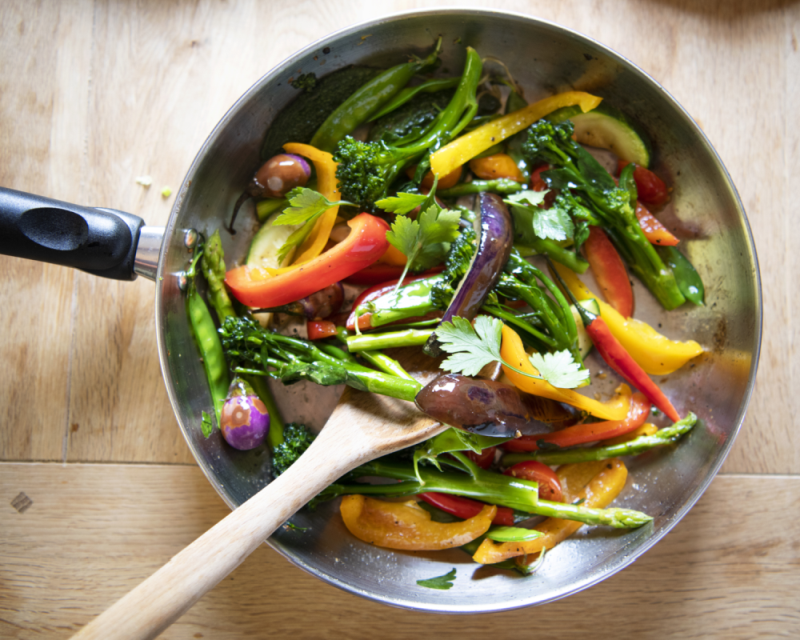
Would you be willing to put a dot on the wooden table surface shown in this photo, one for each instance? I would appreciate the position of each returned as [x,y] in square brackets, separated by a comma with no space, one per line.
[94,94]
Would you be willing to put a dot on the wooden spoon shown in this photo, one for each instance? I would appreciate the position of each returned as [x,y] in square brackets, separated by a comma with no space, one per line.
[362,427]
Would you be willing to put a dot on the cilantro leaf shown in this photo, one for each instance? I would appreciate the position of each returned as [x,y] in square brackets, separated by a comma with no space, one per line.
[471,348]
[424,240]
[440,582]
[402,203]
[533,198]
[305,205]
[559,369]
[553,223]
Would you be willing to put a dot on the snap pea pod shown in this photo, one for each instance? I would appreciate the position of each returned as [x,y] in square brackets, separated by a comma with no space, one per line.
[689,281]
[208,343]
[368,100]
[405,95]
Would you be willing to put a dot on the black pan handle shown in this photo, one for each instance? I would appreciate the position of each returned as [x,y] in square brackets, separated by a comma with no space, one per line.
[101,242]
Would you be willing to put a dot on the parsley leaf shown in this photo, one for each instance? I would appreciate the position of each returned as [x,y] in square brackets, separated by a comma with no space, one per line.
[472,348]
[559,369]
[533,198]
[554,223]
[305,208]
[424,241]
[440,582]
[305,205]
[402,203]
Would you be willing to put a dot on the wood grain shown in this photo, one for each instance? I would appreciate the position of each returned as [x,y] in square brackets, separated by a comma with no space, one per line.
[87,539]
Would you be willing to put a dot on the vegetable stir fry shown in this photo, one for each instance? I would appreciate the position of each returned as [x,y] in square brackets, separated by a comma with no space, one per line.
[457,218]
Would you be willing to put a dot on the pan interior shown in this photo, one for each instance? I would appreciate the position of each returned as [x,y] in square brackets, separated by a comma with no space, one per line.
[544,59]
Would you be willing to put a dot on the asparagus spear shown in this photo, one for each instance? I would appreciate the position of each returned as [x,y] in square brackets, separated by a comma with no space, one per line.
[213,264]
[668,435]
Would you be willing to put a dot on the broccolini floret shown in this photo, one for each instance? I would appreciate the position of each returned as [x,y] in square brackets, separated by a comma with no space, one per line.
[297,438]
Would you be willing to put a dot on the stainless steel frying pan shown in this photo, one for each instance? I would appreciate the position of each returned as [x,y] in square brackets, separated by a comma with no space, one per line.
[544,58]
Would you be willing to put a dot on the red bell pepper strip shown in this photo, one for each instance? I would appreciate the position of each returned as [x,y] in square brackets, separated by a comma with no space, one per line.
[591,432]
[466,508]
[320,329]
[655,232]
[621,361]
[609,271]
[649,187]
[366,243]
[377,273]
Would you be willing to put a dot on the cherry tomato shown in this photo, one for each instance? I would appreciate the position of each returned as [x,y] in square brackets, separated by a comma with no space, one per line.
[500,165]
[650,187]
[549,485]
[655,232]
[484,459]
[320,329]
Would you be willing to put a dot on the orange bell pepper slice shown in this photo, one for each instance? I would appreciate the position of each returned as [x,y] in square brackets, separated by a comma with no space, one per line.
[655,353]
[407,526]
[464,148]
[255,287]
[499,165]
[597,483]
[513,352]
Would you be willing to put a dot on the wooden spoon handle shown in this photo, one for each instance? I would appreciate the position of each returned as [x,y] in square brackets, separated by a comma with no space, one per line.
[169,592]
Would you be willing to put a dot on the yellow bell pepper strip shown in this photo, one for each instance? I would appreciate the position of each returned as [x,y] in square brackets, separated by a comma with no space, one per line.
[655,353]
[327,185]
[597,483]
[407,526]
[464,148]
[513,352]
[255,287]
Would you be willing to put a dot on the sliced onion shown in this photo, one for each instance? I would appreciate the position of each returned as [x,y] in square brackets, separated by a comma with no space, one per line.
[495,232]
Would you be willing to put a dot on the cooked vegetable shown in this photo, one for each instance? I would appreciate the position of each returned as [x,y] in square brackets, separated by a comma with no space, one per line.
[541,474]
[485,267]
[366,243]
[689,281]
[649,186]
[667,435]
[655,232]
[608,128]
[502,186]
[589,431]
[594,484]
[513,351]
[274,179]
[368,169]
[407,94]
[213,266]
[576,169]
[320,304]
[208,343]
[479,406]
[465,508]
[297,438]
[405,525]
[655,353]
[244,420]
[468,146]
[496,167]
[621,361]
[609,271]
[367,101]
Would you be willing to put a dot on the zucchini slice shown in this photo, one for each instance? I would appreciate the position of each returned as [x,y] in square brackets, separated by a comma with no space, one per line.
[584,342]
[609,128]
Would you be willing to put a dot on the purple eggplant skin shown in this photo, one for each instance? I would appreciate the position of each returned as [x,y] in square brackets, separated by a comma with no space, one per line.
[244,421]
[495,241]
[481,406]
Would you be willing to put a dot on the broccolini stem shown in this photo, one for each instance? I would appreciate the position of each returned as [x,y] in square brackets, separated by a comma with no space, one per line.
[276,423]
[385,363]
[662,437]
[390,339]
[503,186]
[559,254]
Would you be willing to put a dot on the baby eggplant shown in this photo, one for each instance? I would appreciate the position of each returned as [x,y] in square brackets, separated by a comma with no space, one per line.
[245,420]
